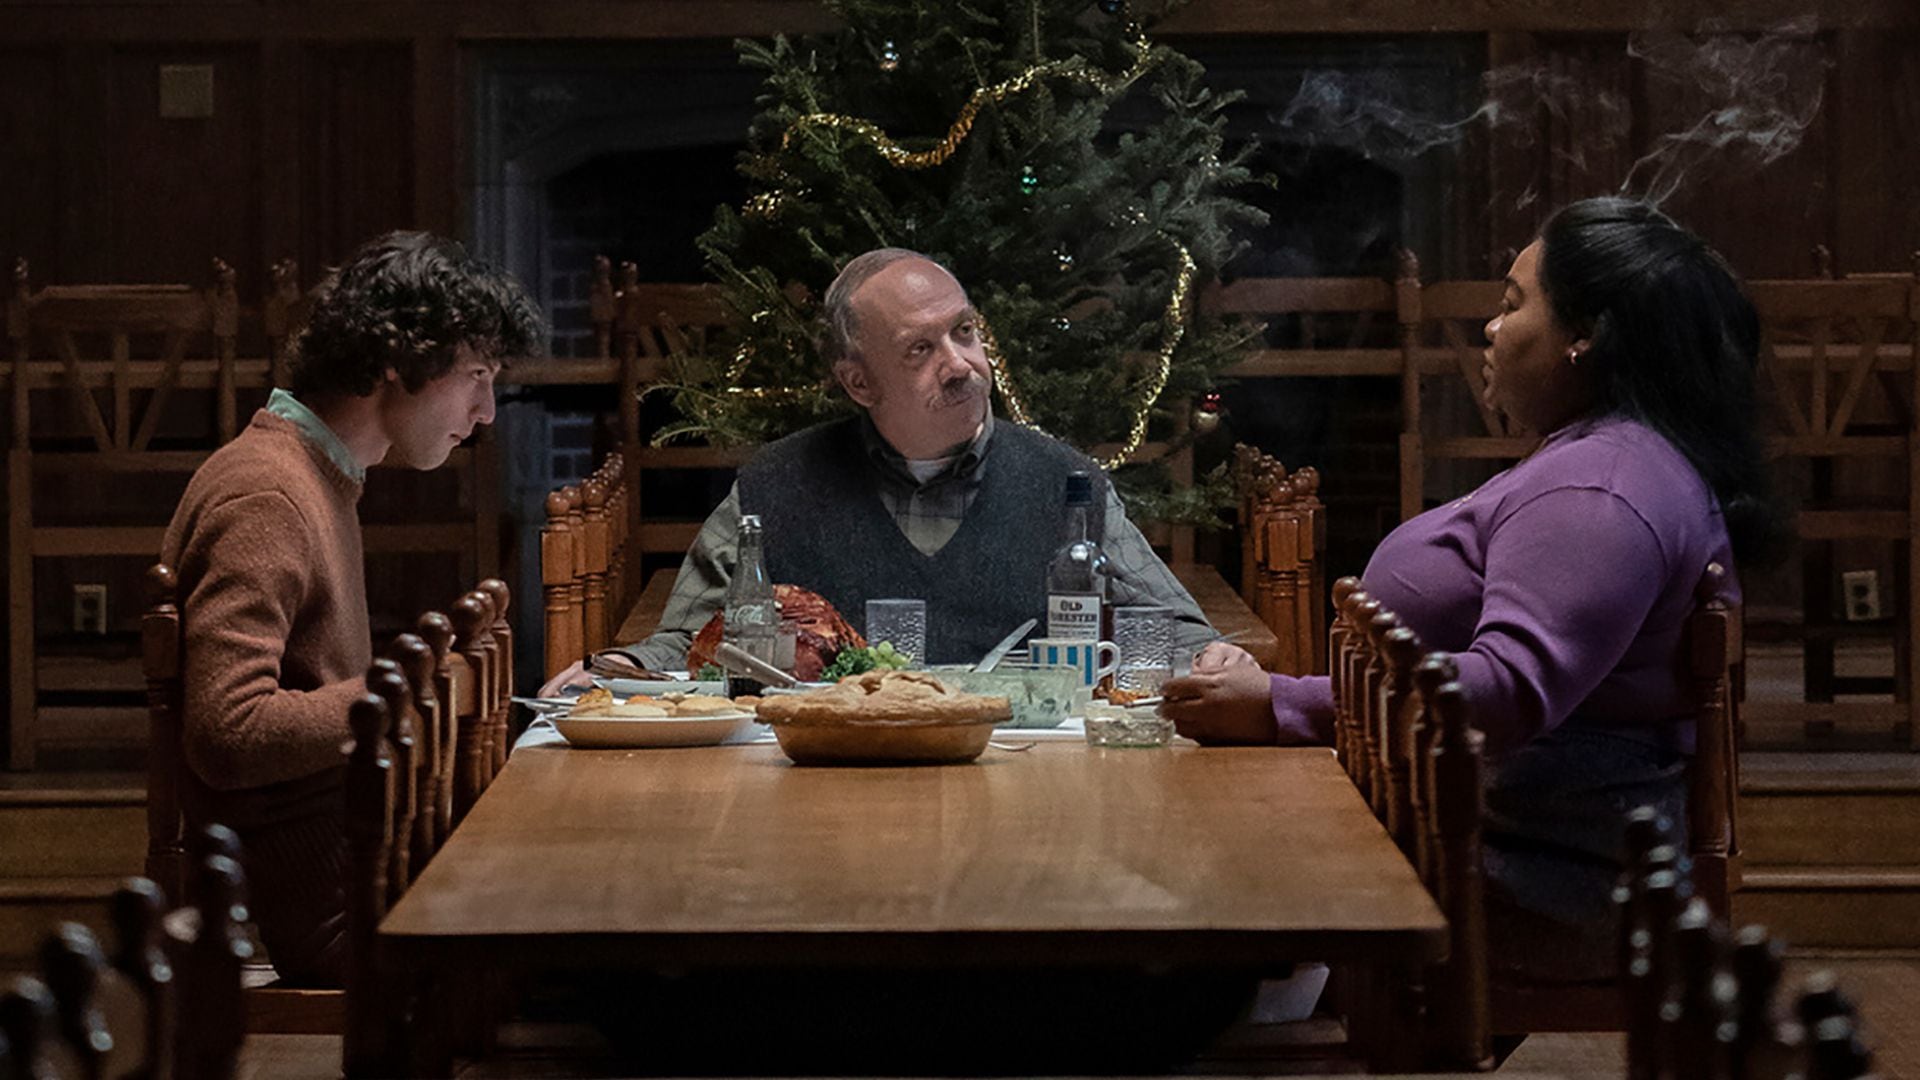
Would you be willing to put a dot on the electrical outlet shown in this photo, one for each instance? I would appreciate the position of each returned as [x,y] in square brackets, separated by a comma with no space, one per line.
[1861,590]
[89,609]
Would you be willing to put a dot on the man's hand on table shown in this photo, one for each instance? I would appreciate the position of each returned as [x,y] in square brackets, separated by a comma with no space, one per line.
[1227,699]
[575,675]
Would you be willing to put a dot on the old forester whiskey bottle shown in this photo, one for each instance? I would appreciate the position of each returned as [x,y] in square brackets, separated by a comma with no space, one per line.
[1077,576]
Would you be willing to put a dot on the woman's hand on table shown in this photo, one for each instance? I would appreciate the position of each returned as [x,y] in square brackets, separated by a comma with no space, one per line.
[573,676]
[1228,703]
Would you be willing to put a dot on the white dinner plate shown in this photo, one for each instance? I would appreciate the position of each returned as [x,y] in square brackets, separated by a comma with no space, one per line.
[640,732]
[626,688]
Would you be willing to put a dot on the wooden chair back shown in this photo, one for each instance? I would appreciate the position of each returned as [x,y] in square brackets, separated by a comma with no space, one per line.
[583,564]
[117,357]
[640,326]
[368,1042]
[93,331]
[1702,1003]
[1712,651]
[594,558]
[1283,536]
[474,700]
[1404,731]
[162,656]
[1840,363]
[182,971]
[425,739]
[1318,326]
[283,313]
[612,475]
[566,629]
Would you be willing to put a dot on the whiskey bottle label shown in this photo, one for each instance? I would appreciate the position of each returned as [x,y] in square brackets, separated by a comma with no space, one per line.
[1073,615]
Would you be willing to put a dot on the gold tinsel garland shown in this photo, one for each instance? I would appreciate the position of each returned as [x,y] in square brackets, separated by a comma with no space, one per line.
[1173,320]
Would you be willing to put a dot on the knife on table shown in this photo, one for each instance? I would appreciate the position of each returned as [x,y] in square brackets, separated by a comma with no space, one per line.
[999,652]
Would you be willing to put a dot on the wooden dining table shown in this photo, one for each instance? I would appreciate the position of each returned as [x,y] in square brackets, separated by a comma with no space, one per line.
[1057,856]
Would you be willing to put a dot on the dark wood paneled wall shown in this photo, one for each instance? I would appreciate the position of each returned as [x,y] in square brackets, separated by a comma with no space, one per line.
[336,120]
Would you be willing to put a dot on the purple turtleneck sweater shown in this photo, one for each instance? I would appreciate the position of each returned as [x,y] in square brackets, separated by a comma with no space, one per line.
[1561,587]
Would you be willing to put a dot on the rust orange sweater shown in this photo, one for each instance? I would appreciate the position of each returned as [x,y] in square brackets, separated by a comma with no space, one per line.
[266,543]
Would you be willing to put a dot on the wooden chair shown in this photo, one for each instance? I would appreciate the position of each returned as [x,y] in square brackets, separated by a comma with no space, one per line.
[1319,326]
[1283,536]
[1702,1004]
[430,712]
[1386,691]
[566,632]
[138,349]
[182,973]
[1405,734]
[478,687]
[1839,362]
[444,688]
[583,564]
[270,1008]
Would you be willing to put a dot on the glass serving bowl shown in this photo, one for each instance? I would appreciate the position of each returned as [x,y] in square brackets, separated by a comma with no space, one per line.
[1042,697]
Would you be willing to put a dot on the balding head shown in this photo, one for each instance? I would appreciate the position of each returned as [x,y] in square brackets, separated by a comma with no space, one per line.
[840,320]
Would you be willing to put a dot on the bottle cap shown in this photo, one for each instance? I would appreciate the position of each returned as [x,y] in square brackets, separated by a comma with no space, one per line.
[1079,488]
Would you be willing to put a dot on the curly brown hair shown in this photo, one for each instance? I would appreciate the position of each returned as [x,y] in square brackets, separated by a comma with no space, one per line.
[407,302]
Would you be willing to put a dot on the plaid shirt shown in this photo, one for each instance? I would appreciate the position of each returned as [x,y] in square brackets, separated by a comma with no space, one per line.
[928,515]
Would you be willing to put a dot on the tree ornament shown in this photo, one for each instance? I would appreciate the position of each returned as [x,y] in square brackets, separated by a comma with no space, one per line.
[1113,7]
[1064,258]
[889,56]
[1029,183]
[1206,415]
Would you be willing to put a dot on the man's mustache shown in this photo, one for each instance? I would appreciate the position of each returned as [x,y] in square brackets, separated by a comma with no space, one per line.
[960,391]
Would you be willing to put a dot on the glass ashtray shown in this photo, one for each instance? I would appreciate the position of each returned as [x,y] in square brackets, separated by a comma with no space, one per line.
[1123,725]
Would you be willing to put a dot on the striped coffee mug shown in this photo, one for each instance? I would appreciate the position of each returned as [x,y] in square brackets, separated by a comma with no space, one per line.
[1094,660]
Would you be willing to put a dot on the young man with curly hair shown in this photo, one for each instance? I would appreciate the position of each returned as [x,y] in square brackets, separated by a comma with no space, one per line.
[396,365]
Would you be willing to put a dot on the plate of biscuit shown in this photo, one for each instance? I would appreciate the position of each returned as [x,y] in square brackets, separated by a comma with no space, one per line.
[599,721]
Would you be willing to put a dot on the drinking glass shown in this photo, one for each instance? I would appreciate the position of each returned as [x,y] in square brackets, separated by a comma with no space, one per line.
[1145,637]
[902,622]
[786,638]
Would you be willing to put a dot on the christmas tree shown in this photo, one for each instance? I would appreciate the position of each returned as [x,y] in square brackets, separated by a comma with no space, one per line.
[1070,171]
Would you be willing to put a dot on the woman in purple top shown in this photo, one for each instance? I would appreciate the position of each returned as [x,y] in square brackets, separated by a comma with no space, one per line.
[1562,585]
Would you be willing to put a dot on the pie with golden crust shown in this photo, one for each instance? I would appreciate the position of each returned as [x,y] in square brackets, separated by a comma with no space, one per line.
[886,697]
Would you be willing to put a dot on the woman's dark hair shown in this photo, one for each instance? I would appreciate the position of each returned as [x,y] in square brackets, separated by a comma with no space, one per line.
[1675,345]
[407,301]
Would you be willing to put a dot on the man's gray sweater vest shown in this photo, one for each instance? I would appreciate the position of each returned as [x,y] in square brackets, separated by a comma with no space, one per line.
[817,494]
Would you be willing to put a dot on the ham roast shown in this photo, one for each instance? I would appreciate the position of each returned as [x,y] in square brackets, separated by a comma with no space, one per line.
[823,633]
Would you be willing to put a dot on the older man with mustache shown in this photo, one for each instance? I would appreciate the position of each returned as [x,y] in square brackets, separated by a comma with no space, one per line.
[922,495]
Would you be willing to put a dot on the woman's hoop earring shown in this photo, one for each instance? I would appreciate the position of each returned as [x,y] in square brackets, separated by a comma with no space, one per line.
[1573,357]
